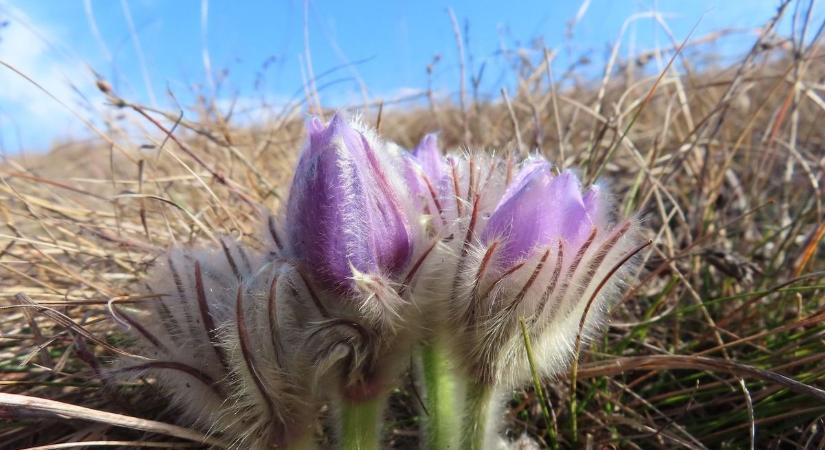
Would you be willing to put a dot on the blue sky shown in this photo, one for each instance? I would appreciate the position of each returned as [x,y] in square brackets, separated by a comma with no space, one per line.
[256,49]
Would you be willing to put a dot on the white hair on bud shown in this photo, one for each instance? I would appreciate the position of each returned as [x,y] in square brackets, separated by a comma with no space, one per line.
[483,302]
[213,337]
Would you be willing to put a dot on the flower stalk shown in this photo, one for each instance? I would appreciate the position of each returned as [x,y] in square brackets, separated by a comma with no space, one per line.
[361,423]
[477,419]
[441,388]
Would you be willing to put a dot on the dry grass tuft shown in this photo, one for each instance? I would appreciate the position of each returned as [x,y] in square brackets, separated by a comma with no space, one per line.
[720,344]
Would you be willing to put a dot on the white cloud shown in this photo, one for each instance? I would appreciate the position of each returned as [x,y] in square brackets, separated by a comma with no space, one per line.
[30,47]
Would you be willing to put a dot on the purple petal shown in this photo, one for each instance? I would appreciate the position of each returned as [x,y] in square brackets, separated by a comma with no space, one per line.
[537,210]
[429,157]
[521,219]
[414,181]
[592,199]
[574,223]
[527,168]
[342,212]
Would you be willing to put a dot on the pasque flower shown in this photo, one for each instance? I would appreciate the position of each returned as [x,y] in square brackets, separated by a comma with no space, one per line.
[249,344]
[518,243]
[344,215]
[217,337]
[376,250]
[352,233]
[541,257]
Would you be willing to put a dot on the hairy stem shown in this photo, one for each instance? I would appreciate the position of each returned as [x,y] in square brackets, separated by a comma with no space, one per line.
[479,408]
[440,383]
[304,443]
[361,424]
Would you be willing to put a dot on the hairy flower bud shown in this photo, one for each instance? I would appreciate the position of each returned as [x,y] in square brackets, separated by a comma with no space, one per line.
[216,336]
[344,215]
[538,210]
[534,249]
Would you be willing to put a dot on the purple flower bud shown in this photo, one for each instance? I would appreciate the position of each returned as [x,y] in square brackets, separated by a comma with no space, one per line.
[429,157]
[343,214]
[537,210]
[569,210]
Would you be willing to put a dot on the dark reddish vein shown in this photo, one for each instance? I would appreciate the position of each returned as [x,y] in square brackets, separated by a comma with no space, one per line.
[245,258]
[456,190]
[482,268]
[601,285]
[501,278]
[182,295]
[485,263]
[176,278]
[206,317]
[170,324]
[272,316]
[230,260]
[243,337]
[594,265]
[174,365]
[142,330]
[408,279]
[471,181]
[493,165]
[434,196]
[317,301]
[270,221]
[523,293]
[553,281]
[470,228]
[465,248]
[571,271]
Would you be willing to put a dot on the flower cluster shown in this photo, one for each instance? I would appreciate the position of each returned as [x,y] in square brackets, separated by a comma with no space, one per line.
[378,251]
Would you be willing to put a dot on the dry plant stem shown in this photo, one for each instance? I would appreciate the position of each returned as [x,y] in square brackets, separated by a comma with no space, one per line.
[361,423]
[441,384]
[478,410]
[17,406]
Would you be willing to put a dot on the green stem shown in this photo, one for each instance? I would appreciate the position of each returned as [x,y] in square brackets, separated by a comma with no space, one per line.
[479,401]
[305,443]
[361,424]
[440,383]
[547,409]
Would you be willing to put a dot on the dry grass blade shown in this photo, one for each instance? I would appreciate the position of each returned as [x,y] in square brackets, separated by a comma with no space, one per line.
[136,444]
[16,406]
[675,362]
